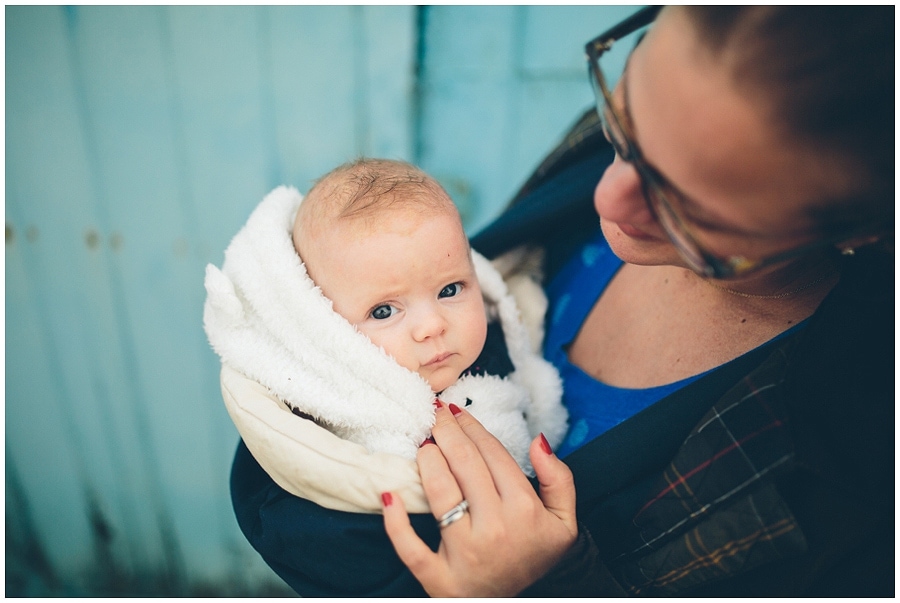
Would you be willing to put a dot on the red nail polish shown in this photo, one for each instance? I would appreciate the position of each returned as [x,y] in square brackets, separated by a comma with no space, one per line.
[437,403]
[386,499]
[454,409]
[428,440]
[545,445]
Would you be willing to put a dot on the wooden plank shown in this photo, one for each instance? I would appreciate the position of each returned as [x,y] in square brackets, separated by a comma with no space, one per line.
[224,133]
[49,189]
[554,87]
[386,47]
[468,105]
[312,72]
[499,97]
[48,476]
[554,38]
[141,170]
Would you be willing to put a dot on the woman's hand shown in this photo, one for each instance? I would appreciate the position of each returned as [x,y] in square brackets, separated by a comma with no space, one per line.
[509,537]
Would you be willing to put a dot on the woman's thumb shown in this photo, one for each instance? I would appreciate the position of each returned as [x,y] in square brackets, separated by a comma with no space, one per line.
[557,487]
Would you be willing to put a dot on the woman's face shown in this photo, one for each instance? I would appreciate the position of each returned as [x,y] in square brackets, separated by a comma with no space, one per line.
[744,189]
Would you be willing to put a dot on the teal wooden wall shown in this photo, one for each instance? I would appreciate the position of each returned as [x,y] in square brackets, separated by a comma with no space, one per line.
[138,139]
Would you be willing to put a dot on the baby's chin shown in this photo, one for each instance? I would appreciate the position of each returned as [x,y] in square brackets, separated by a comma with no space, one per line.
[438,388]
[439,383]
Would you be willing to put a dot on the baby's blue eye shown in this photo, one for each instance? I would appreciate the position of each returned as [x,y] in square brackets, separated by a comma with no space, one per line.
[451,290]
[382,312]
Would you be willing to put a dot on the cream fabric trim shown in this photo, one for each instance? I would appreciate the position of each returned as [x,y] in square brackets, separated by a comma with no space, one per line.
[325,469]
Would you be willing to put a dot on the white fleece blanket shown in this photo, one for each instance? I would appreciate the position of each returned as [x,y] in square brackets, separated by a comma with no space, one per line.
[267,320]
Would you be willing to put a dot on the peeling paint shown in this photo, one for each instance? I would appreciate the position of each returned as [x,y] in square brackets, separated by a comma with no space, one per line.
[91,239]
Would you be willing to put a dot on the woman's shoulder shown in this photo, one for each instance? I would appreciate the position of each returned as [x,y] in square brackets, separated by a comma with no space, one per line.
[841,371]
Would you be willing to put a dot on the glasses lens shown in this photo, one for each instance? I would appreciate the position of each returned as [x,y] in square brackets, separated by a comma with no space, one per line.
[674,227]
[607,61]
[608,121]
[614,134]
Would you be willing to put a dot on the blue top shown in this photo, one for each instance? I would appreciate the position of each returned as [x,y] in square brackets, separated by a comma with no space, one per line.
[594,407]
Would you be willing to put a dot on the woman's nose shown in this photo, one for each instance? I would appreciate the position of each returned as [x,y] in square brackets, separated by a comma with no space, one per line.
[619,196]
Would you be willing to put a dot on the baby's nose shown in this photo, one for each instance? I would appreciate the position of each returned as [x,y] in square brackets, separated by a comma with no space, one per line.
[429,324]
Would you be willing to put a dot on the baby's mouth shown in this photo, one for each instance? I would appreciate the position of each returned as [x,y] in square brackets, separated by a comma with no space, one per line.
[438,359]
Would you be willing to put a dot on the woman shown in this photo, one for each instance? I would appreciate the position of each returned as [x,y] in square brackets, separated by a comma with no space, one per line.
[745,336]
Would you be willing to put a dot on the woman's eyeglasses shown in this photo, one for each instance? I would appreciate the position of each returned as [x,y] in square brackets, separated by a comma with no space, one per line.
[662,198]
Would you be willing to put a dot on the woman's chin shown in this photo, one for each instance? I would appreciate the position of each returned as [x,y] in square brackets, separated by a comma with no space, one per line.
[634,246]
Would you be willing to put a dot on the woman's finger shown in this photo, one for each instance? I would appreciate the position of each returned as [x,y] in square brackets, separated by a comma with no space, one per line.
[464,460]
[505,472]
[557,486]
[425,565]
[441,489]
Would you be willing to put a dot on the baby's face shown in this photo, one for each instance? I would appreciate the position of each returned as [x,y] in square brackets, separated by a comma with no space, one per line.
[410,286]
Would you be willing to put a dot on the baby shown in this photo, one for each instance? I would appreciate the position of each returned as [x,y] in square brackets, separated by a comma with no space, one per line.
[354,308]
[386,245]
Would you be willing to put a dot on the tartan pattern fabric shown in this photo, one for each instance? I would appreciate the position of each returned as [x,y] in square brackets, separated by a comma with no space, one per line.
[715,512]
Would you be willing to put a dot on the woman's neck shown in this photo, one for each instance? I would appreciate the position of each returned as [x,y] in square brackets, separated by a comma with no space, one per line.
[655,325]
[800,284]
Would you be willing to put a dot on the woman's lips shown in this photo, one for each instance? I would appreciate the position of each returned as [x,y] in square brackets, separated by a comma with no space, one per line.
[633,232]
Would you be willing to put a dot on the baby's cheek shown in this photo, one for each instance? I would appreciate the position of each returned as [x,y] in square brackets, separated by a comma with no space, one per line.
[393,348]
[477,339]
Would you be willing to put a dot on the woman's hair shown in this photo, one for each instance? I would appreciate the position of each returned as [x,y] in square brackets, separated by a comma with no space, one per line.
[827,75]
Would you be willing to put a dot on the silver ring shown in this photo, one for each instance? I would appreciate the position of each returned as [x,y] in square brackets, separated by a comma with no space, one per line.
[454,514]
